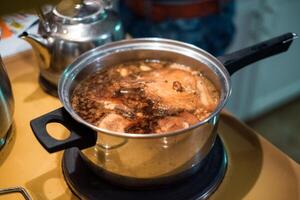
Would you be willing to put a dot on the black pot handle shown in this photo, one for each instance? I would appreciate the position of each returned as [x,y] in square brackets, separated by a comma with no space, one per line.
[80,135]
[237,60]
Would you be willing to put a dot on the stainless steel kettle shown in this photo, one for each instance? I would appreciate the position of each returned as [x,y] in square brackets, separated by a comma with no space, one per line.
[6,104]
[66,31]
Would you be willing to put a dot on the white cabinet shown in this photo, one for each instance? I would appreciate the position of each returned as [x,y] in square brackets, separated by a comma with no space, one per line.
[273,81]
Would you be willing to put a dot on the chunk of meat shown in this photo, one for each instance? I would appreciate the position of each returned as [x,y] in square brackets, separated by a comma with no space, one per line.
[114,105]
[179,89]
[159,85]
[114,122]
[205,95]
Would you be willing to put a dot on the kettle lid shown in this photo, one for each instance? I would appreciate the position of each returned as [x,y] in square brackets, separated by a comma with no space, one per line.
[78,11]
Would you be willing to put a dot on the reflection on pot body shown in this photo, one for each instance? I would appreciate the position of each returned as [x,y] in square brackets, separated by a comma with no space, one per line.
[6,104]
[155,157]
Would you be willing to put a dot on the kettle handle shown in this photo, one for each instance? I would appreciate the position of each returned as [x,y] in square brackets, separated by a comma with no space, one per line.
[80,135]
[239,59]
[45,23]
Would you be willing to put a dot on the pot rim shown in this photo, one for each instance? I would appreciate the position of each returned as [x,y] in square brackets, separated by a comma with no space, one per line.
[75,68]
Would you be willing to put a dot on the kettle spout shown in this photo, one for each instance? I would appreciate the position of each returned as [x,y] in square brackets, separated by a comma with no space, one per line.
[41,46]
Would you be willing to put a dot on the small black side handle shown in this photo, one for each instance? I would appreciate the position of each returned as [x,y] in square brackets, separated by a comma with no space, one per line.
[239,59]
[81,136]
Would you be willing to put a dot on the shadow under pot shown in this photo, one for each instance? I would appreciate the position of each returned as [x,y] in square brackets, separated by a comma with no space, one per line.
[147,160]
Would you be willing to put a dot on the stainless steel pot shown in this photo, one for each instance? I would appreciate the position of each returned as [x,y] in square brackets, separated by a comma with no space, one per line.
[147,159]
[6,104]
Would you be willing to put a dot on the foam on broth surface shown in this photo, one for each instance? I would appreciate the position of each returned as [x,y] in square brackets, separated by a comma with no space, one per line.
[144,97]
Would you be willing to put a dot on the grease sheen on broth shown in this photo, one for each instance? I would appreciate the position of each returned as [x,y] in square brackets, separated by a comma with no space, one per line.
[145,96]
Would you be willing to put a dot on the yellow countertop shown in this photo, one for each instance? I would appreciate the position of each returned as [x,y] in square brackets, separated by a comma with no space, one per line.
[257,170]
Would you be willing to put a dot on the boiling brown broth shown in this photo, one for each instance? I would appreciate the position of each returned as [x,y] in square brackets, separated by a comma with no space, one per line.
[145,97]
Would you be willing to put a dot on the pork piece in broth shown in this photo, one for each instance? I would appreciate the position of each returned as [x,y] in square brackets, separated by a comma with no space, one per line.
[145,97]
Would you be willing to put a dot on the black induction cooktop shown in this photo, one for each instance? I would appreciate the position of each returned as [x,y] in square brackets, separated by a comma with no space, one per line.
[87,185]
